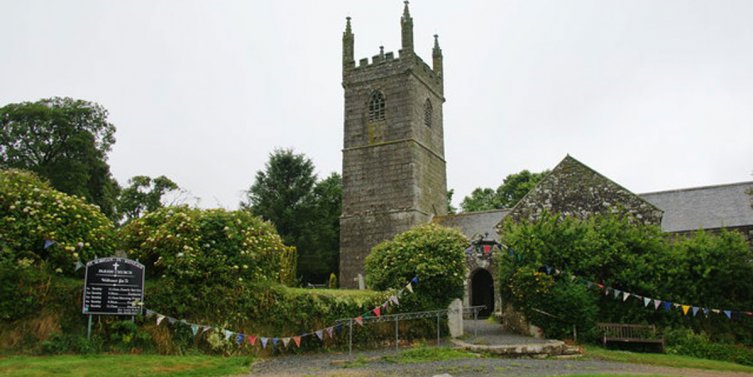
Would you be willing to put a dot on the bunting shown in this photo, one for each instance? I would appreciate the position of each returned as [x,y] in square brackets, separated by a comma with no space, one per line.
[668,305]
[241,338]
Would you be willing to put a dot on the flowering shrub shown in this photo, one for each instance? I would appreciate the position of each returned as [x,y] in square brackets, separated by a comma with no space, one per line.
[44,227]
[432,253]
[215,246]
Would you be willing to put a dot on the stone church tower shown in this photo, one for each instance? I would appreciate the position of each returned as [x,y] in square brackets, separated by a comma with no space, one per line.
[393,149]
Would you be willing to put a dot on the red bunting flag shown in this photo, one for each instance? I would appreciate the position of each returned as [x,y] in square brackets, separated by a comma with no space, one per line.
[359,320]
[377,312]
[251,340]
[297,340]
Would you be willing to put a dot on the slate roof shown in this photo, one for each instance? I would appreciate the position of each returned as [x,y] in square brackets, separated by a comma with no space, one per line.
[707,207]
[473,224]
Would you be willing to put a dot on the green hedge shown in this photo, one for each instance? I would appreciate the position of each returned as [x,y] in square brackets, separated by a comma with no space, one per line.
[192,246]
[55,324]
[32,212]
[710,270]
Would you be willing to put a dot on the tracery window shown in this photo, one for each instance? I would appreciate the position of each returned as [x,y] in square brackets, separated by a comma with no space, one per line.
[376,106]
[427,113]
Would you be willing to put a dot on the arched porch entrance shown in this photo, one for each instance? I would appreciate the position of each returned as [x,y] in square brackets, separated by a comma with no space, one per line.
[482,291]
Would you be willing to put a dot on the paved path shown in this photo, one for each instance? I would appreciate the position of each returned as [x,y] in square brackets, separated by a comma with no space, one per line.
[485,332]
[372,363]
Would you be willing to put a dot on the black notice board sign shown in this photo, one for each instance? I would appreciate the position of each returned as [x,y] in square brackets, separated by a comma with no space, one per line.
[113,286]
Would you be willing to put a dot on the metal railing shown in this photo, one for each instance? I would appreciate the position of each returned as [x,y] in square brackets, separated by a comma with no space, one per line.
[396,318]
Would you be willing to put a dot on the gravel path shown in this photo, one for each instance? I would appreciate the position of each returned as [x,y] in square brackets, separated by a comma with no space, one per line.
[371,363]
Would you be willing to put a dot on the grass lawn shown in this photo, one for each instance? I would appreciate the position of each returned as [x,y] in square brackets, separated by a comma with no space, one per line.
[659,359]
[122,365]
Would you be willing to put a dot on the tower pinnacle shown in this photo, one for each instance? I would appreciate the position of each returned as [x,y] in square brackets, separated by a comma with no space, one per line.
[406,29]
[348,39]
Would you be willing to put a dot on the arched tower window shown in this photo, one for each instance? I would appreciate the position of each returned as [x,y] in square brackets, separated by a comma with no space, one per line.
[376,106]
[427,113]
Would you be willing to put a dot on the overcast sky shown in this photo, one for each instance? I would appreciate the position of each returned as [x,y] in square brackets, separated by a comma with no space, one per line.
[655,95]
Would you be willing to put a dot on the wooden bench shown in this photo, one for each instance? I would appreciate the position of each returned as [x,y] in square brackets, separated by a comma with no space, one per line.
[628,333]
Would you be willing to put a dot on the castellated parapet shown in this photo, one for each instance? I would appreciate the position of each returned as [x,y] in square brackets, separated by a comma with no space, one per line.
[393,147]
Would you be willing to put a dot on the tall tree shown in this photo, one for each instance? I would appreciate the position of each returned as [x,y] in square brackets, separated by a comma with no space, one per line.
[513,188]
[143,194]
[305,212]
[64,140]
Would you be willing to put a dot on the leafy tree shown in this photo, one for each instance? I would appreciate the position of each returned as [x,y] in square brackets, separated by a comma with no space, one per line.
[481,199]
[143,194]
[305,212]
[45,227]
[197,247]
[430,252]
[513,188]
[705,269]
[65,141]
[319,249]
[451,208]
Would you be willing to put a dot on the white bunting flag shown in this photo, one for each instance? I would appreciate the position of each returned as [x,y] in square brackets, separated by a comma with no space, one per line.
[409,287]
[625,296]
[160,317]
[319,334]
[646,301]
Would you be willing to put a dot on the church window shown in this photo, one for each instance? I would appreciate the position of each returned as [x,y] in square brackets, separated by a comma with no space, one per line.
[376,106]
[427,113]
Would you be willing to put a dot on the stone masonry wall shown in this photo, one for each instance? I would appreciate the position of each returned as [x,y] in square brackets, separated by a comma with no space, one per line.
[393,169]
[574,189]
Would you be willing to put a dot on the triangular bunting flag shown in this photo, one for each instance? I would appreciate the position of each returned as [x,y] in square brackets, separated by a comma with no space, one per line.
[275,341]
[239,339]
[264,342]
[79,265]
[706,311]
[667,305]
[160,318]
[414,280]
[319,334]
[646,301]
[386,303]
[657,304]
[625,296]
[589,285]
[285,342]
[572,277]
[749,314]
[676,305]
[409,287]
[728,313]
[617,293]
[194,329]
[377,312]
[685,309]
[601,286]
[329,331]
[695,310]
[297,340]
[251,340]
[394,300]
[48,243]
[205,329]
[227,333]
[606,291]
[359,320]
